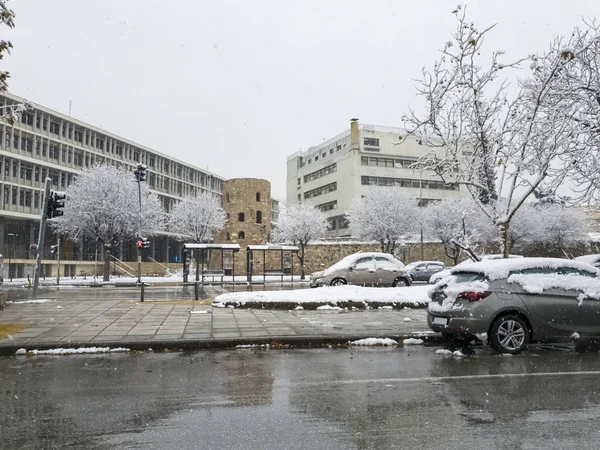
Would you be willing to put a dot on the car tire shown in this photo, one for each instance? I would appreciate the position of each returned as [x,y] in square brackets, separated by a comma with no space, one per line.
[509,334]
[338,282]
[400,282]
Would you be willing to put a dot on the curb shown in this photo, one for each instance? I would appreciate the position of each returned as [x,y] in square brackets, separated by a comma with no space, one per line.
[314,305]
[216,344]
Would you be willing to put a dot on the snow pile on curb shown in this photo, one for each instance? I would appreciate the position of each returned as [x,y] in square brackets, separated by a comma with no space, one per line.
[72,351]
[374,341]
[410,295]
[26,302]
[413,341]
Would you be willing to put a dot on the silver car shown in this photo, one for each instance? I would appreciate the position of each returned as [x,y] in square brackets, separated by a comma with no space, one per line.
[512,302]
[365,269]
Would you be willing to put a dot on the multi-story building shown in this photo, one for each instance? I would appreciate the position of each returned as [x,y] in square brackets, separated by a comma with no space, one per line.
[45,143]
[335,172]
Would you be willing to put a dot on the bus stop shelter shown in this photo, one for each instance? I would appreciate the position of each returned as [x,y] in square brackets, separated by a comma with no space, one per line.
[202,255]
[277,271]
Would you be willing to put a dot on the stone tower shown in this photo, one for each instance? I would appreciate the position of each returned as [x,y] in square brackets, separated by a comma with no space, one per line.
[247,203]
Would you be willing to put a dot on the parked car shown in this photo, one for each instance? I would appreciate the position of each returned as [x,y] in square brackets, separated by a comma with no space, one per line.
[366,269]
[423,270]
[593,260]
[512,302]
[444,273]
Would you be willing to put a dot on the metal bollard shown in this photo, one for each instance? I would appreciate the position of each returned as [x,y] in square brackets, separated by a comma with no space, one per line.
[142,292]
[196,291]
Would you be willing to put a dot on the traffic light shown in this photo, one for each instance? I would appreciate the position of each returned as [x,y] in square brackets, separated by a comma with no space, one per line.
[56,202]
[53,249]
[143,243]
[140,173]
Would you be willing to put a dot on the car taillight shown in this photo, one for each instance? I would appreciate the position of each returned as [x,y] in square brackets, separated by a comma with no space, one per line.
[473,296]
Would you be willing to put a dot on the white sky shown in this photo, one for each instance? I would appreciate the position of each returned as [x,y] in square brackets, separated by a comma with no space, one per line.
[237,86]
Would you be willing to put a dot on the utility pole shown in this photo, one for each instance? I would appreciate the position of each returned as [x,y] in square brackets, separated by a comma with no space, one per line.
[421,205]
[40,245]
[140,175]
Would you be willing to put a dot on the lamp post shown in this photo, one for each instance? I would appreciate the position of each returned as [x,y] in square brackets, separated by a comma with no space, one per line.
[421,205]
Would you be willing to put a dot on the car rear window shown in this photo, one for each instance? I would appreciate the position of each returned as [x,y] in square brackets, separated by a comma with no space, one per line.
[468,277]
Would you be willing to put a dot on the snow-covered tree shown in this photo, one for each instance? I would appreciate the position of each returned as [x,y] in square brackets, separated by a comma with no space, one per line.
[10,112]
[197,218]
[386,215]
[103,204]
[504,147]
[459,225]
[300,224]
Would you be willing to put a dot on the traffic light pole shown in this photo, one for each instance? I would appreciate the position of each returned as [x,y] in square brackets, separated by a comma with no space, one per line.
[40,248]
[139,251]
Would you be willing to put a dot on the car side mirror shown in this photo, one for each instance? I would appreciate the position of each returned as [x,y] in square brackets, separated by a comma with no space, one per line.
[351,267]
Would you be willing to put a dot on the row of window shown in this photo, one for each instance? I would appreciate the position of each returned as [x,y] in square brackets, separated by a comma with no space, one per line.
[228,198]
[319,173]
[398,163]
[242,217]
[328,206]
[320,190]
[59,127]
[405,182]
[337,148]
[338,223]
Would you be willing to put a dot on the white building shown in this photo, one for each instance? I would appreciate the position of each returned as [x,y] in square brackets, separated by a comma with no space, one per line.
[333,173]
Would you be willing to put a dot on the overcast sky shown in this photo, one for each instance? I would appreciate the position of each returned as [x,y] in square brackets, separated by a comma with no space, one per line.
[237,86]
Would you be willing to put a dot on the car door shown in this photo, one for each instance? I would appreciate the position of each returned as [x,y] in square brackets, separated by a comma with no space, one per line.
[418,273]
[589,307]
[387,271]
[554,312]
[431,269]
[362,272]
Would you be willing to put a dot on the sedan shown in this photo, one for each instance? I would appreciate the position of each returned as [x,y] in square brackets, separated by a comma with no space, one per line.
[423,270]
[365,269]
[512,302]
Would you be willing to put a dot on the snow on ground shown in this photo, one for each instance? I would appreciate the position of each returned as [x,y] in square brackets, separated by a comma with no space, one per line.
[330,308]
[415,295]
[413,341]
[374,341]
[71,351]
[89,280]
[23,302]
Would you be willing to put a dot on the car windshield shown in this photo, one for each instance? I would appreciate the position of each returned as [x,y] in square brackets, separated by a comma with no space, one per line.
[467,277]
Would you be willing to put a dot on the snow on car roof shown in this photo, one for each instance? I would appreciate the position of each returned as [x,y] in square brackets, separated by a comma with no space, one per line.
[589,259]
[347,261]
[497,269]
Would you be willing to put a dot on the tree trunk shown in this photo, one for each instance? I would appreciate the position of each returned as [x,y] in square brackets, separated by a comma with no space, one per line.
[302,274]
[504,239]
[106,276]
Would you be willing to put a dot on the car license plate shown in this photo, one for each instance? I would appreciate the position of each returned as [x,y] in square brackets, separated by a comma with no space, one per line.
[439,321]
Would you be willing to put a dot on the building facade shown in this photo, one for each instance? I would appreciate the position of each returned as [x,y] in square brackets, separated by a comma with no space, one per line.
[335,172]
[45,143]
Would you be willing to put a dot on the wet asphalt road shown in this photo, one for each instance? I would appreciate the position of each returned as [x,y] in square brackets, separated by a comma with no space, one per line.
[302,399]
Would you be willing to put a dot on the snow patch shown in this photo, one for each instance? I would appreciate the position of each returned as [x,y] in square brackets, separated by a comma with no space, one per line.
[575,335]
[299,308]
[413,341]
[25,302]
[407,319]
[374,342]
[198,312]
[329,308]
[444,351]
[72,351]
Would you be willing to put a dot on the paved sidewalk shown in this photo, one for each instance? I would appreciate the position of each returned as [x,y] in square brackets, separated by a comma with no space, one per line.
[187,324]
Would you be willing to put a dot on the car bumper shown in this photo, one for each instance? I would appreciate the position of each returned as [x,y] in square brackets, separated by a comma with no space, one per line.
[316,283]
[457,325]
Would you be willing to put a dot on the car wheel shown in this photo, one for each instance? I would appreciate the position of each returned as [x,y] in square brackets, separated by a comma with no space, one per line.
[509,334]
[399,282]
[338,282]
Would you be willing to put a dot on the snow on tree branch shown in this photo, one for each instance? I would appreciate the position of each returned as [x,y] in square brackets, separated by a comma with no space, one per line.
[385,214]
[102,203]
[197,218]
[504,148]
